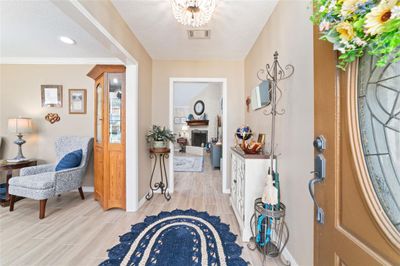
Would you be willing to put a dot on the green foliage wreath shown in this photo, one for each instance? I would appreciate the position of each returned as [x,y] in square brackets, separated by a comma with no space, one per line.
[358,26]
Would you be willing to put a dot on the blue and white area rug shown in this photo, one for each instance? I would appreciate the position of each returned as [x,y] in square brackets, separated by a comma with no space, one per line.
[188,163]
[177,238]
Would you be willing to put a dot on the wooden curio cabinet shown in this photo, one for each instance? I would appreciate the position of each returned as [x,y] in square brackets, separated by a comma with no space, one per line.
[109,130]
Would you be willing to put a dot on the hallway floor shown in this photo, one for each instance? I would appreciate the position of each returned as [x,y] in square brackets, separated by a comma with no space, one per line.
[77,232]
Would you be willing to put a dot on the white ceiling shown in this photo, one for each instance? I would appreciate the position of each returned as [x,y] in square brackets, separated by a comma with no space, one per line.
[32,29]
[235,26]
[184,92]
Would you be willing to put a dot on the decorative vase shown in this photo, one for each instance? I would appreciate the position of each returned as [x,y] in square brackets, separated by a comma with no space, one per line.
[159,144]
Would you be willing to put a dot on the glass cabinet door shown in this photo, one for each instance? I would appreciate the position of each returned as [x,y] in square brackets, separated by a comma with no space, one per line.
[99,114]
[115,106]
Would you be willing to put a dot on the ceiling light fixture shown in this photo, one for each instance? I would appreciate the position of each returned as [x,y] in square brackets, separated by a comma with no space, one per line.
[194,13]
[67,40]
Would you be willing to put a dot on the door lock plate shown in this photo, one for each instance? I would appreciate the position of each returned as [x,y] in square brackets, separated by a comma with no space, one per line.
[320,166]
[320,215]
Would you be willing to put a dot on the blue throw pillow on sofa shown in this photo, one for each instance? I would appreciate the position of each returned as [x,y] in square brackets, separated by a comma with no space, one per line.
[70,160]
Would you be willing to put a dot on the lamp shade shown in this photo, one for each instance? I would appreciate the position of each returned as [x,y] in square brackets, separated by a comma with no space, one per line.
[20,125]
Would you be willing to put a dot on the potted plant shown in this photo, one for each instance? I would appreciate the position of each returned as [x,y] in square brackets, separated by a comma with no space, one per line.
[158,137]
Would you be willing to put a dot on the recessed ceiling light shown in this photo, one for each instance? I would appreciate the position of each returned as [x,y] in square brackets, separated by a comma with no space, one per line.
[115,80]
[67,40]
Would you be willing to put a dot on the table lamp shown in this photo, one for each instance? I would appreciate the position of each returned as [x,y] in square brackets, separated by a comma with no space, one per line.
[19,126]
[185,128]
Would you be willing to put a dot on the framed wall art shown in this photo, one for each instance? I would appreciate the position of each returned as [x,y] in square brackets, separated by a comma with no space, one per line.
[52,95]
[177,120]
[77,101]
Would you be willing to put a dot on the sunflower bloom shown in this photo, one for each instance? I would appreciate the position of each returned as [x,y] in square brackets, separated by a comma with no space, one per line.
[378,16]
[395,11]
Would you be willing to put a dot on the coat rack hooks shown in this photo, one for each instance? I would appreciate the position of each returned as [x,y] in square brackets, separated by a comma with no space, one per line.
[274,74]
[270,212]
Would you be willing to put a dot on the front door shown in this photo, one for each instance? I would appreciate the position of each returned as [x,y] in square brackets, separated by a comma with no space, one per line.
[357,111]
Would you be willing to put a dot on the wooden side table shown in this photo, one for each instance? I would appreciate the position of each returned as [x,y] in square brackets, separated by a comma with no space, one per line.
[9,167]
[162,154]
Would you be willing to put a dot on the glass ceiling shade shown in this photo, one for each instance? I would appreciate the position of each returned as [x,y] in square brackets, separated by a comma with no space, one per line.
[194,13]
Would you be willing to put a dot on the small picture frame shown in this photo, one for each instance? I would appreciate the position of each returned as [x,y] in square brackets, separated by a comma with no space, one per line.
[261,138]
[52,95]
[177,120]
[77,101]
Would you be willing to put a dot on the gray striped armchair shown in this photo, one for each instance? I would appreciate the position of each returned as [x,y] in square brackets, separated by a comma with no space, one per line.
[43,182]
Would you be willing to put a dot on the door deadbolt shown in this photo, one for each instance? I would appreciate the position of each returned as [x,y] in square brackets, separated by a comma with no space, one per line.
[320,143]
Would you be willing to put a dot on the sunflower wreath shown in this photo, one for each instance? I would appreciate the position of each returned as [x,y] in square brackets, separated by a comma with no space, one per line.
[358,26]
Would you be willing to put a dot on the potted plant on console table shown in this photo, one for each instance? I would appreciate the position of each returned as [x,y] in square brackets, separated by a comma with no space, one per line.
[158,137]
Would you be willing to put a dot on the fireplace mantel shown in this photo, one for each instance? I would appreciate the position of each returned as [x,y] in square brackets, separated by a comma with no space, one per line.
[194,123]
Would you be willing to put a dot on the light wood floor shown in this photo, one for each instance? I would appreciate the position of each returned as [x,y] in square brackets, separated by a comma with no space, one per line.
[77,232]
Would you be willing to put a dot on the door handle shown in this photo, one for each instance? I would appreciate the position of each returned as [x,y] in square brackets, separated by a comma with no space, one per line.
[319,174]
[311,184]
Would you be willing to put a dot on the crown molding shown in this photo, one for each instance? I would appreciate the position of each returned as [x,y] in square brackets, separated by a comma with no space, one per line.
[60,60]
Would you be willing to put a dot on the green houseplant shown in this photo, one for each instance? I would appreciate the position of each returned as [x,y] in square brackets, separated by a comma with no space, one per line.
[158,137]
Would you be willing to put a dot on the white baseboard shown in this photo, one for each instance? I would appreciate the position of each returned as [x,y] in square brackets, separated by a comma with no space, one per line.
[286,254]
[88,189]
[158,191]
[226,191]
[141,202]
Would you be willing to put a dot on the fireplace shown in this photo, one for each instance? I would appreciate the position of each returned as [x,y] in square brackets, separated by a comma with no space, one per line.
[199,137]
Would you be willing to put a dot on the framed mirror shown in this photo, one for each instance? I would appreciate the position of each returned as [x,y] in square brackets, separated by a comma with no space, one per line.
[199,107]
[260,95]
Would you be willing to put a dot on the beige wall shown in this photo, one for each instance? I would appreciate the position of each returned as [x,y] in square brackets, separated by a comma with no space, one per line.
[231,70]
[20,95]
[289,32]
[108,16]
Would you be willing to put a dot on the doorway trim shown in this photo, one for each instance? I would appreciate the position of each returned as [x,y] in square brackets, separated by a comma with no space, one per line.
[171,178]
[78,12]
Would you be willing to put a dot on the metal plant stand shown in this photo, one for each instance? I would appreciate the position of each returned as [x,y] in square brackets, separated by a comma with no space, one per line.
[271,233]
[161,155]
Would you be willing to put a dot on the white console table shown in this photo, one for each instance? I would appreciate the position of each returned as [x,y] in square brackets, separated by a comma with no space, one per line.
[248,177]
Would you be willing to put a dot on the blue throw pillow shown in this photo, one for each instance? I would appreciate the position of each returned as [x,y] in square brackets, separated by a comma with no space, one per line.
[70,160]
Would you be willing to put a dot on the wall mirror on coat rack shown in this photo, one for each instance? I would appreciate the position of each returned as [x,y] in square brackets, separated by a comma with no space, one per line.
[260,95]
